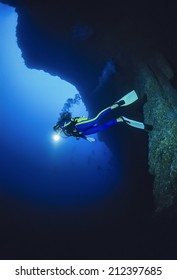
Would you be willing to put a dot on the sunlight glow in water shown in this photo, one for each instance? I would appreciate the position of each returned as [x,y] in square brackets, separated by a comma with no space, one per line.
[30,102]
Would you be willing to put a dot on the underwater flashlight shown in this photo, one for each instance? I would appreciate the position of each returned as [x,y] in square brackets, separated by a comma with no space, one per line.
[56,137]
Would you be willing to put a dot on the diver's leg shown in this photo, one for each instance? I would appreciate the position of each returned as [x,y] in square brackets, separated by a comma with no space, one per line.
[124,101]
[127,99]
[99,128]
[136,124]
[83,125]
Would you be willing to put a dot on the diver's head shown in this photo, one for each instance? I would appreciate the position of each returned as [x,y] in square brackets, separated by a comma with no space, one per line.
[63,117]
[56,127]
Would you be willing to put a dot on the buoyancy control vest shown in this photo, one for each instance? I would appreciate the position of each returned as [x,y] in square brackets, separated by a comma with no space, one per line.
[70,129]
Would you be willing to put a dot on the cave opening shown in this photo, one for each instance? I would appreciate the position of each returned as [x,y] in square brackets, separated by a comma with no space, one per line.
[30,104]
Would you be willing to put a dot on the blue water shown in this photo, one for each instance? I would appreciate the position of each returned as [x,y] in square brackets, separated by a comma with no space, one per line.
[33,167]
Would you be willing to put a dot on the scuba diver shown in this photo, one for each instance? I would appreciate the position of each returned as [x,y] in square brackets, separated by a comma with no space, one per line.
[81,127]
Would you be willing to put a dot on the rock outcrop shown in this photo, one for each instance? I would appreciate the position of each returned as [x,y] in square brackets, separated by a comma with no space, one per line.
[153,79]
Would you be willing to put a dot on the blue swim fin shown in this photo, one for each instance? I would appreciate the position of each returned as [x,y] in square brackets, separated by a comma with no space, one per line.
[127,99]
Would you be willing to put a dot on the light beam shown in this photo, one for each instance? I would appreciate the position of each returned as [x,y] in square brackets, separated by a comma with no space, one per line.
[56,137]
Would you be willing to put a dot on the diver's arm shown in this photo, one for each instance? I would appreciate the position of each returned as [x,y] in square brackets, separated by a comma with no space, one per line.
[90,139]
[81,136]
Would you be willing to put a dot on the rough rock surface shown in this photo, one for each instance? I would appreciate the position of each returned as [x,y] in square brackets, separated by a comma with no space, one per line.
[161,111]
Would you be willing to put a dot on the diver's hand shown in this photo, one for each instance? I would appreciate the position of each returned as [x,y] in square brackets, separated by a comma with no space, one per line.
[90,139]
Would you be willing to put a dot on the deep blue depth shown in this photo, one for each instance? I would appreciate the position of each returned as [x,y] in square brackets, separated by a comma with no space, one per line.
[33,166]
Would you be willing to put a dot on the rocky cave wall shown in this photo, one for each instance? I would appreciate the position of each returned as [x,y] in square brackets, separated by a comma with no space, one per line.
[77,41]
[153,79]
